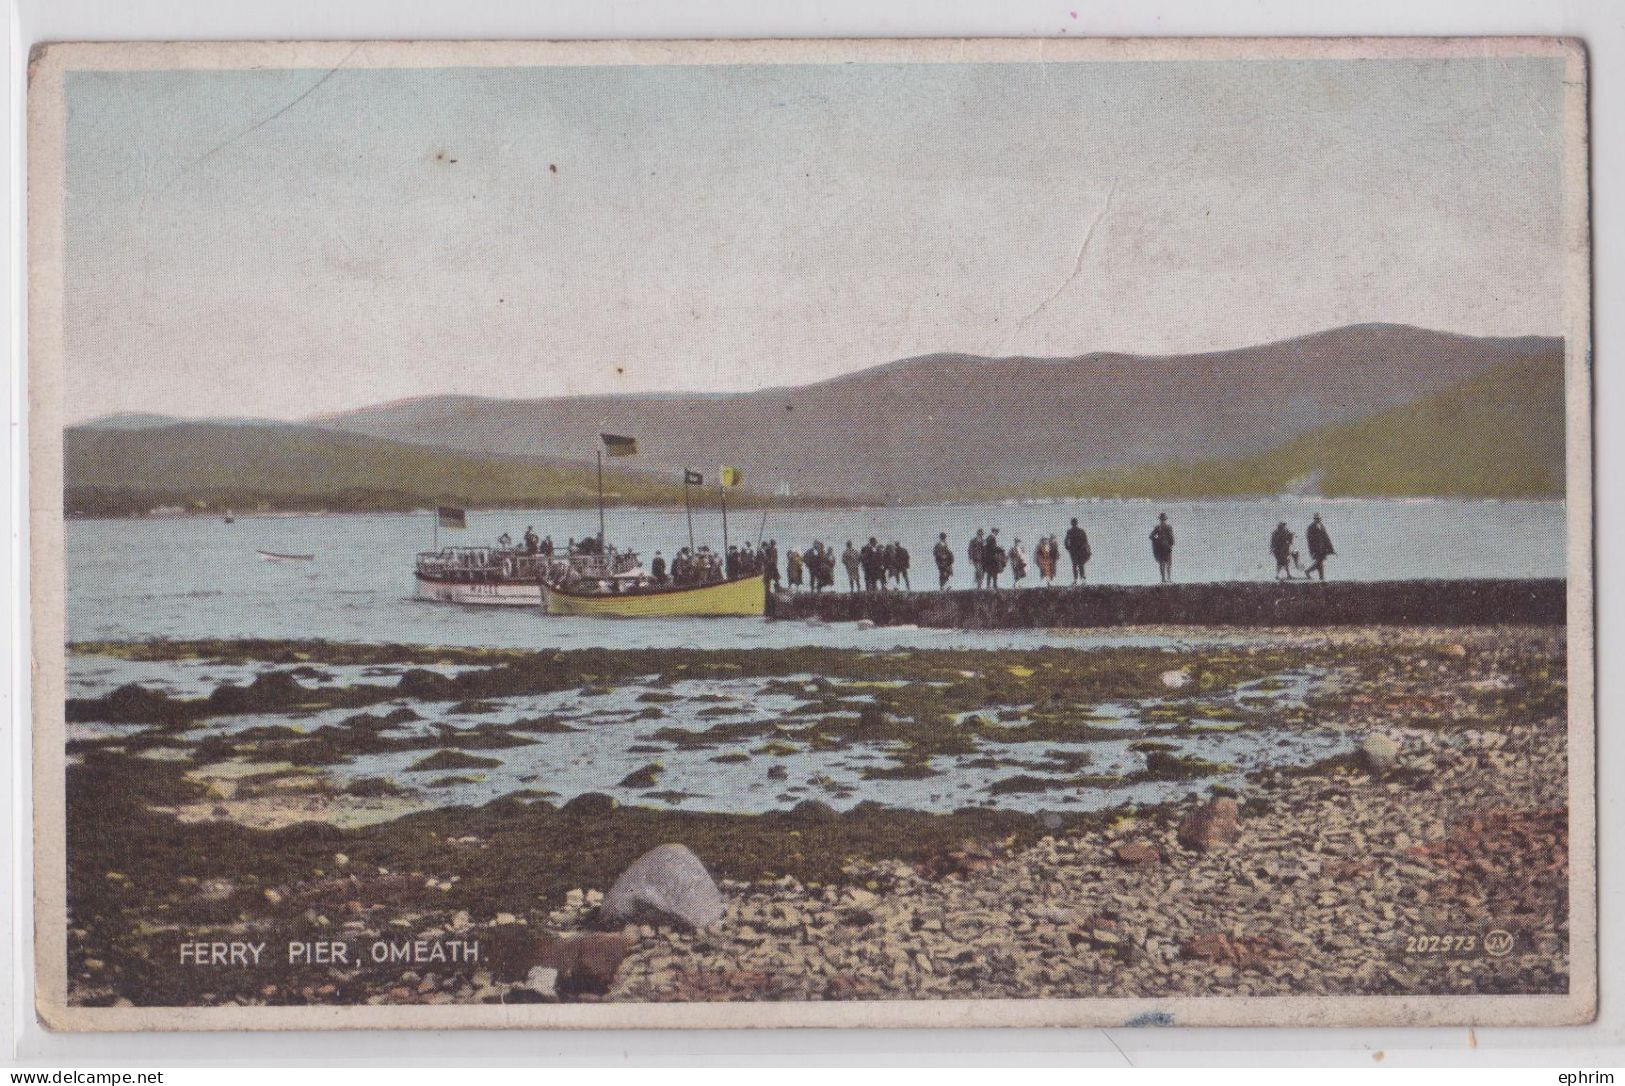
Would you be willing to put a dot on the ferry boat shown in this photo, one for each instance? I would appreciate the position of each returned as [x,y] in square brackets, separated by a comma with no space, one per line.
[636,596]
[507,577]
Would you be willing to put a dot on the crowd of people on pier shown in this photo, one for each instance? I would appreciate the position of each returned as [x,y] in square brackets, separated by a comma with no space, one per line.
[878,567]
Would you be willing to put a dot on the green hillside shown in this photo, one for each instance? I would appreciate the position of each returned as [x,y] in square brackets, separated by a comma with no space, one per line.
[1497,435]
[212,466]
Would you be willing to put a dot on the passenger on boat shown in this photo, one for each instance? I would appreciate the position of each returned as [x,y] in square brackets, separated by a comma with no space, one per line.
[531,543]
[657,569]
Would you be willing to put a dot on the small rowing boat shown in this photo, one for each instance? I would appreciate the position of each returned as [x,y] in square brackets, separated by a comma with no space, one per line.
[274,556]
[743,596]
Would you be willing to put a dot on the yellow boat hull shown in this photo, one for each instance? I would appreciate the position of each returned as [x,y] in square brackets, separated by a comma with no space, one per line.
[745,596]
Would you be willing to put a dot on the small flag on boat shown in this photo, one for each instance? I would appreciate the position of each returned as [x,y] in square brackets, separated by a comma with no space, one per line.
[692,478]
[732,476]
[616,445]
[451,516]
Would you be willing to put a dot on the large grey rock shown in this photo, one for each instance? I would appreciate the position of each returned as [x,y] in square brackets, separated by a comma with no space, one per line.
[666,885]
[1378,753]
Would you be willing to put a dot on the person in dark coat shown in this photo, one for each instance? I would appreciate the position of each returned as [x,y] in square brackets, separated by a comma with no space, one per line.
[975,553]
[904,560]
[770,563]
[657,568]
[1077,548]
[944,556]
[993,559]
[1162,547]
[873,560]
[1320,547]
[1281,548]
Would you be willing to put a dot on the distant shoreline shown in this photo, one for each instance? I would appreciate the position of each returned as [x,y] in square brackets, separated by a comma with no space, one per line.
[757,505]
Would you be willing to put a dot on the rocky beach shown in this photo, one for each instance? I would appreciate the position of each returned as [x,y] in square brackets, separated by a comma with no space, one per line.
[1374,810]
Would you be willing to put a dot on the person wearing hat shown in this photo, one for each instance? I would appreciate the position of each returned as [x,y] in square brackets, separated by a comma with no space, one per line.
[1281,548]
[1077,548]
[1320,547]
[944,556]
[993,559]
[1162,548]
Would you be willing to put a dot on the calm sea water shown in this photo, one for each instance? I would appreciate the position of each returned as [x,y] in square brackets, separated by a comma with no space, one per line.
[201,578]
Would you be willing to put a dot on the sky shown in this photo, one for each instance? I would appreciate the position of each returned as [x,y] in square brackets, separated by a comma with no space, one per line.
[292,243]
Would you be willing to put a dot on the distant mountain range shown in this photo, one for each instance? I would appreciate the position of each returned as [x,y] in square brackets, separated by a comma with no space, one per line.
[1365,409]
[208,466]
[952,422]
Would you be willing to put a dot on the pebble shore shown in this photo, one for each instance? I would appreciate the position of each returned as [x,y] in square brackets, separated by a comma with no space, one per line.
[1353,876]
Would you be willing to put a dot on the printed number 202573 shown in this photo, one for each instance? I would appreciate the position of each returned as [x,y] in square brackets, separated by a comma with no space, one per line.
[1441,944]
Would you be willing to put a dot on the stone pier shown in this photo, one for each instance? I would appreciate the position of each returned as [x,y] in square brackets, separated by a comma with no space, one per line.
[1536,602]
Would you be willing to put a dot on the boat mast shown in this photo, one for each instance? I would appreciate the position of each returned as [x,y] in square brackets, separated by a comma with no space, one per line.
[689,509]
[600,501]
[722,495]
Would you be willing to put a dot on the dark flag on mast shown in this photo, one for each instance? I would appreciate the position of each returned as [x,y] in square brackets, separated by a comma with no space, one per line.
[692,478]
[616,445]
[451,517]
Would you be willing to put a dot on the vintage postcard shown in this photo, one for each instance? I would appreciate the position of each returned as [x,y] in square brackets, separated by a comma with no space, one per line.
[843,533]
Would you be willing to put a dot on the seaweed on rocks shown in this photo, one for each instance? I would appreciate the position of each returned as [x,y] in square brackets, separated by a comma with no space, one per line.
[452,759]
[1162,766]
[646,777]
